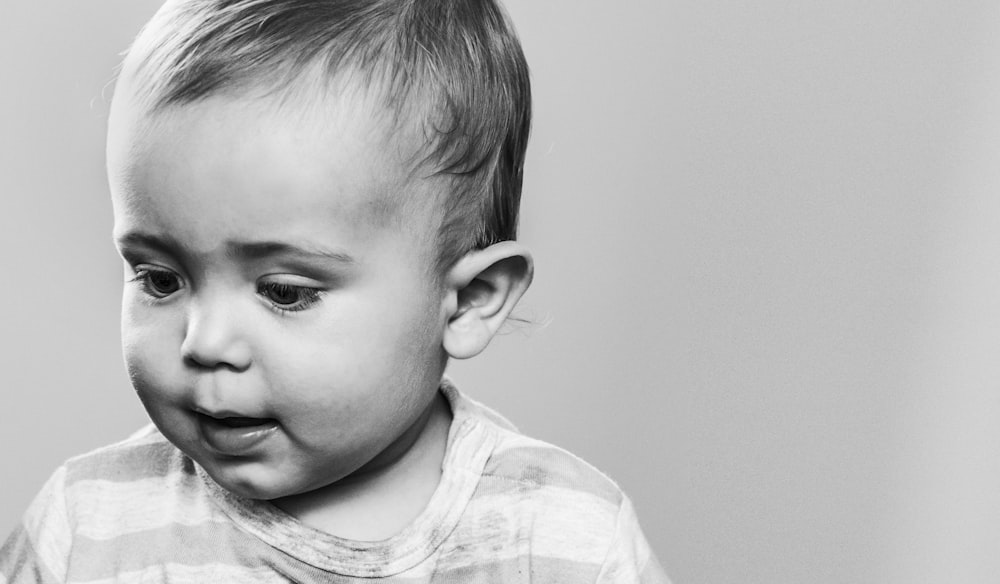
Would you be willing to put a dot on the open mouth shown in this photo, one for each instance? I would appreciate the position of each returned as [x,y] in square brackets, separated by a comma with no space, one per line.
[235,435]
[238,422]
[232,421]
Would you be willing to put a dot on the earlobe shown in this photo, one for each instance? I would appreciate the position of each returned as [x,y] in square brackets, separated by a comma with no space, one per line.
[484,286]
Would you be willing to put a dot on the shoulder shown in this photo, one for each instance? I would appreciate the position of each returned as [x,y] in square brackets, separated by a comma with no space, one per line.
[529,477]
[528,465]
[534,465]
[100,505]
[570,509]
[140,483]
[580,525]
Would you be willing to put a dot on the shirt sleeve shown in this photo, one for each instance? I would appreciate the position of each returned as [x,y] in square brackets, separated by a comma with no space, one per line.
[629,559]
[38,548]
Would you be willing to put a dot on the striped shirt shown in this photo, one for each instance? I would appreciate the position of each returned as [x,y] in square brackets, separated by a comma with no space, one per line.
[508,509]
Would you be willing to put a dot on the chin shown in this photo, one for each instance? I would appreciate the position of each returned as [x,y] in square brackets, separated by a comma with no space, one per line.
[250,483]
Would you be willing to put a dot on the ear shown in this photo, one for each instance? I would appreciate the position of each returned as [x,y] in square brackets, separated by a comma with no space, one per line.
[482,289]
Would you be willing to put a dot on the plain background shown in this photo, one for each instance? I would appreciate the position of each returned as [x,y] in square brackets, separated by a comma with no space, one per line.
[767,240]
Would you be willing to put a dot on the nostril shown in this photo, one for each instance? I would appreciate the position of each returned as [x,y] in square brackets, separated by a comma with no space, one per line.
[235,365]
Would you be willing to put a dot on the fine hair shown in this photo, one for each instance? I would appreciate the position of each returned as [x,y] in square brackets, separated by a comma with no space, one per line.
[453,70]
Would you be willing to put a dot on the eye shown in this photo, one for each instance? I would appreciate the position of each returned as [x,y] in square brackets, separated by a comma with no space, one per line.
[286,297]
[156,282]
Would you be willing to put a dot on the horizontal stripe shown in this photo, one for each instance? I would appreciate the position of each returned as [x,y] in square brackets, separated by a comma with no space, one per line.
[181,545]
[205,553]
[47,525]
[108,509]
[129,461]
[181,574]
[214,555]
[499,527]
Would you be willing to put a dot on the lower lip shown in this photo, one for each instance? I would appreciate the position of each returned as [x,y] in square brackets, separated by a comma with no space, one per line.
[231,440]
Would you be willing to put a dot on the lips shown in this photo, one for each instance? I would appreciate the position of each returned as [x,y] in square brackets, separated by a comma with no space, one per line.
[235,435]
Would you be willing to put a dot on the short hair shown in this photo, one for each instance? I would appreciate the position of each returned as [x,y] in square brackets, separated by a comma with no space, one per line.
[455,67]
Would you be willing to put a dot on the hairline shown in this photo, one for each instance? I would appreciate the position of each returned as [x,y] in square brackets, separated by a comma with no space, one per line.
[424,194]
[479,191]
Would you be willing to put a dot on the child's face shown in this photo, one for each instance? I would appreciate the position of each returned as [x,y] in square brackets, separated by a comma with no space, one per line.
[276,326]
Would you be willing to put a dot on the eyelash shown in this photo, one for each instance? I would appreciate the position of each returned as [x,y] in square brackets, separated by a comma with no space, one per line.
[305,297]
[143,278]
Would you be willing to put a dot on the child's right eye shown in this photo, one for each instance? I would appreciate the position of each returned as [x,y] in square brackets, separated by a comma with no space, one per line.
[157,283]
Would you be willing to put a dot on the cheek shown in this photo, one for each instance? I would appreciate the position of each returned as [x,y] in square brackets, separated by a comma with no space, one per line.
[149,349]
[155,376]
[148,375]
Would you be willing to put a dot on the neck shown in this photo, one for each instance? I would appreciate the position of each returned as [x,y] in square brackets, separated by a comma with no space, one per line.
[386,494]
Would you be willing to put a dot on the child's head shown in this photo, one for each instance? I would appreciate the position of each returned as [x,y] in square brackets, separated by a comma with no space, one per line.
[315,200]
[447,78]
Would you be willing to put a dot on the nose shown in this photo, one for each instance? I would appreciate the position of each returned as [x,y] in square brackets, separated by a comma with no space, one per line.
[214,337]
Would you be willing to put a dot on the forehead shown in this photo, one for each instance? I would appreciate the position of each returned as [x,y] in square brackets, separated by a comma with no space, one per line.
[266,160]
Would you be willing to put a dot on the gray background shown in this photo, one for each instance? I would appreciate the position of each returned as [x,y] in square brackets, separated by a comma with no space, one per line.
[767,241]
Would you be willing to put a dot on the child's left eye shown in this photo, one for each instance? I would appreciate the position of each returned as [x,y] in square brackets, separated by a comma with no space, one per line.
[286,297]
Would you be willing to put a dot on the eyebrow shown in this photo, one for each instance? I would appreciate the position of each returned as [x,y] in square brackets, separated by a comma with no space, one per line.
[247,250]
[254,250]
[136,239]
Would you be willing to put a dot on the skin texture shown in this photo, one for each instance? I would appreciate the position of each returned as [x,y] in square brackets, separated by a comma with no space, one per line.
[267,295]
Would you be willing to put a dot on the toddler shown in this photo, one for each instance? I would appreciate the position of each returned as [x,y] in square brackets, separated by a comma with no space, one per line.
[316,204]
